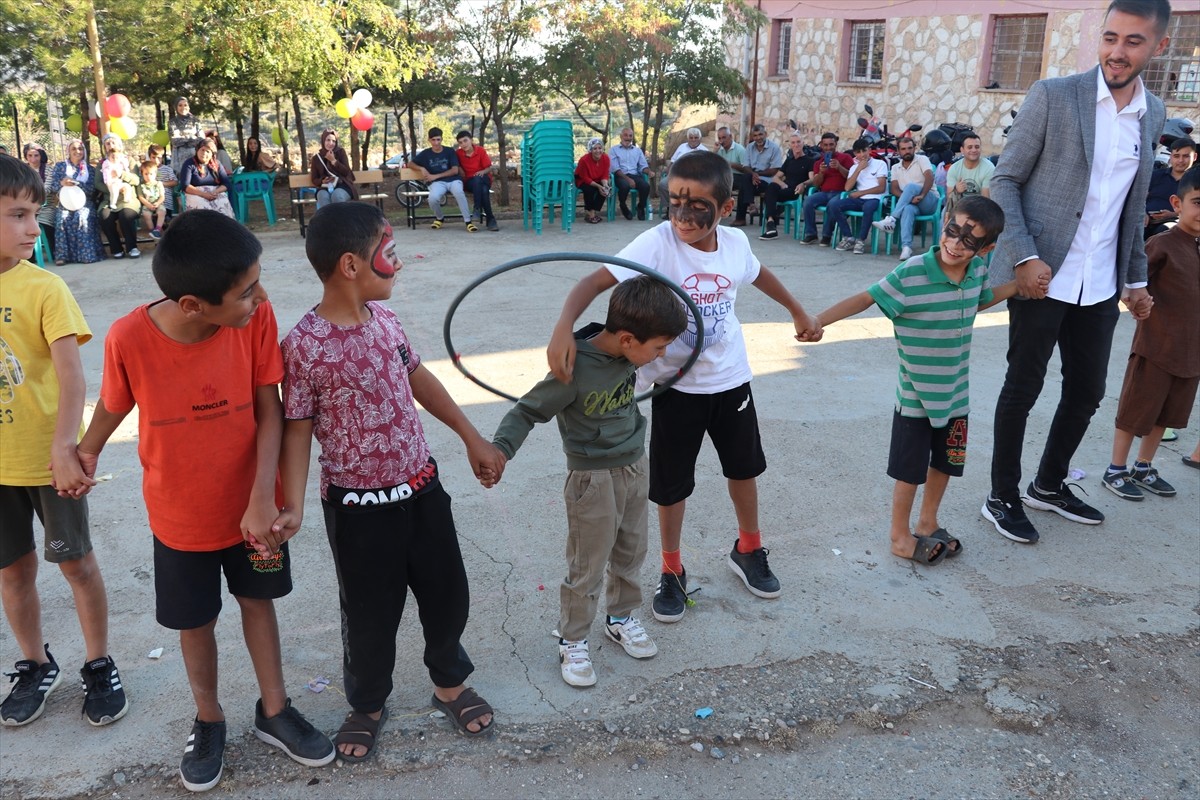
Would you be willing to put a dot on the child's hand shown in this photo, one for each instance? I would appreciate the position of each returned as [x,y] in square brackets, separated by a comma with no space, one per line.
[487,462]
[68,475]
[808,328]
[256,525]
[560,354]
[285,526]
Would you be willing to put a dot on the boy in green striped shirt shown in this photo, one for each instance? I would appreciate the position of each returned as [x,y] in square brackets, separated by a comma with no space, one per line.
[932,300]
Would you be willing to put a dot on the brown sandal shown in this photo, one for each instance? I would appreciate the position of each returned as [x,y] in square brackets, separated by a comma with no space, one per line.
[359,729]
[466,709]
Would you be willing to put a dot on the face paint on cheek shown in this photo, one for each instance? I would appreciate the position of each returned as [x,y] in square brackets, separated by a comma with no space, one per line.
[687,214]
[383,260]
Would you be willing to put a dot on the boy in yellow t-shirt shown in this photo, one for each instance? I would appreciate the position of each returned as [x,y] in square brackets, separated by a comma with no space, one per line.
[41,408]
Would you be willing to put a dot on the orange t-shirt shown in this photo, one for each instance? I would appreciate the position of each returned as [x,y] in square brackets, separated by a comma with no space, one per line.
[196,421]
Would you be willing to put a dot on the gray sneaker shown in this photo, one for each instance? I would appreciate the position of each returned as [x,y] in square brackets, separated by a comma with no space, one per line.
[845,245]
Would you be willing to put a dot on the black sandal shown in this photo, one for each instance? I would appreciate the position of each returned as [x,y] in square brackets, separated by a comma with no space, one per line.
[359,729]
[466,709]
[924,554]
[954,547]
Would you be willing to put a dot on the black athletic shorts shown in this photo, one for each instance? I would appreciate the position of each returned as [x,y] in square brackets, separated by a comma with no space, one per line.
[917,446]
[187,584]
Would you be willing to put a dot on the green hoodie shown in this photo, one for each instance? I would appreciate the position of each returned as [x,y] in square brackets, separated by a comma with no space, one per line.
[601,426]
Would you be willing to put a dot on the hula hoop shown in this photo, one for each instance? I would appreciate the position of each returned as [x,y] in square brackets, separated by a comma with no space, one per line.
[456,357]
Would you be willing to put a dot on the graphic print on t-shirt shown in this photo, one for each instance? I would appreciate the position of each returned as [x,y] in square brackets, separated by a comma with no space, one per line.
[11,374]
[707,291]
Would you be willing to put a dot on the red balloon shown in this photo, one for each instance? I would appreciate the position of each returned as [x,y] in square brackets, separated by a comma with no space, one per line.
[363,120]
[94,127]
[118,105]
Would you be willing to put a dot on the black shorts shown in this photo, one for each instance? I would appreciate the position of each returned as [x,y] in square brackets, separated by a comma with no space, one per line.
[64,522]
[187,584]
[677,430]
[917,446]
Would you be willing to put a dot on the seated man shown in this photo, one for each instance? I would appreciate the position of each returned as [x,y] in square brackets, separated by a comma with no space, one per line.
[763,160]
[829,179]
[476,169]
[440,167]
[1164,183]
[693,144]
[912,186]
[630,170]
[789,183]
[728,149]
[864,192]
[970,175]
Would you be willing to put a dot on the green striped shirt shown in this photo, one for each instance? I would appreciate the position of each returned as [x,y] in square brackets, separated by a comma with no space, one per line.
[932,318]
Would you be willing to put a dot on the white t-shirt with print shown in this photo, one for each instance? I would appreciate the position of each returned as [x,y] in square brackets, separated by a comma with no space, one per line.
[712,281]
[868,178]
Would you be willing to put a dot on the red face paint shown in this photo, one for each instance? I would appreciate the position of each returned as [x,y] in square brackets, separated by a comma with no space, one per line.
[383,261]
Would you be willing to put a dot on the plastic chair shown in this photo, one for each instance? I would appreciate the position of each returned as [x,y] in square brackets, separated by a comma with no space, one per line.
[253,186]
[934,219]
[837,231]
[41,250]
[793,215]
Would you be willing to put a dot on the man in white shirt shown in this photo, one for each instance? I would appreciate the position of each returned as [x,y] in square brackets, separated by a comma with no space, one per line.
[912,186]
[1072,182]
[630,171]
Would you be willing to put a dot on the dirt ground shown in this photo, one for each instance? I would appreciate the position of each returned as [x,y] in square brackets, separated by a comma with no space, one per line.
[1068,669]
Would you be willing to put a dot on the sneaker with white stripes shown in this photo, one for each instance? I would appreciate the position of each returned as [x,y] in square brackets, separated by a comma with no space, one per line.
[204,757]
[630,634]
[104,698]
[576,663]
[27,700]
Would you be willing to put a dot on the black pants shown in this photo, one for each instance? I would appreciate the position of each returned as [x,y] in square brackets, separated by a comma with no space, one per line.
[773,196]
[381,552]
[480,189]
[592,199]
[743,182]
[643,189]
[126,218]
[1084,338]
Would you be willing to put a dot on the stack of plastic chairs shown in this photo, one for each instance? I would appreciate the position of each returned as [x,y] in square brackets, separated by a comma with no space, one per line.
[548,173]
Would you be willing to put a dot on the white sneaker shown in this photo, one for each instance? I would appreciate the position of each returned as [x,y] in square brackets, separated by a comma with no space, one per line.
[905,253]
[576,663]
[632,636]
[135,253]
[887,224]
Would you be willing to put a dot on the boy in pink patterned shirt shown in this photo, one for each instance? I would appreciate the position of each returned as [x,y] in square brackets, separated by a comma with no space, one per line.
[352,380]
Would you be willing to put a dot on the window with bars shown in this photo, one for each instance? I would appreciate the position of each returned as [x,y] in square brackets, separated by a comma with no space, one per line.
[782,36]
[1017,51]
[866,52]
[1175,75]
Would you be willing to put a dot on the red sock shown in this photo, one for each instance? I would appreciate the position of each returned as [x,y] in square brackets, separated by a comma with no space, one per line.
[748,542]
[672,563]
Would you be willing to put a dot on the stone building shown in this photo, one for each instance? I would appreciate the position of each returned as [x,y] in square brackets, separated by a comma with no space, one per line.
[932,61]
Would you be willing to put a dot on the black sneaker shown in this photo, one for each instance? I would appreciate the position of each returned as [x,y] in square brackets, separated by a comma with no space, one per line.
[293,734]
[770,233]
[27,700]
[1009,519]
[670,598]
[824,241]
[1120,484]
[809,240]
[104,700]
[625,212]
[204,757]
[1061,502]
[754,571]
[1151,481]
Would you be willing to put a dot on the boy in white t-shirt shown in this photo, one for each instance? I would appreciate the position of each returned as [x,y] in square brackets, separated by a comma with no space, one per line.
[711,263]
[865,188]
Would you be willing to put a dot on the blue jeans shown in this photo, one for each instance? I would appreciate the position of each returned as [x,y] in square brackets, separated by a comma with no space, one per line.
[325,197]
[835,212]
[906,212]
[811,204]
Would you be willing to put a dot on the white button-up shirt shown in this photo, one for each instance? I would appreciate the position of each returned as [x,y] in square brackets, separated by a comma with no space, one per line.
[1088,274]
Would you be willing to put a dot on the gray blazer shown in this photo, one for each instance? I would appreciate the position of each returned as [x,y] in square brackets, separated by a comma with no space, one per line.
[1042,179]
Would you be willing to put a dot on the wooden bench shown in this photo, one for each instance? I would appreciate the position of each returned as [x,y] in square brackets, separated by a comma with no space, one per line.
[303,193]
[411,198]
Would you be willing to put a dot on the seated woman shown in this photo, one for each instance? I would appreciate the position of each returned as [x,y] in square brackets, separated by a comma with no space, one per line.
[221,153]
[119,204]
[36,158]
[257,159]
[593,176]
[330,172]
[76,233]
[205,182]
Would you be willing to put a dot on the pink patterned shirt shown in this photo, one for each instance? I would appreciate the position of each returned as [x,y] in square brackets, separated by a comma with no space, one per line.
[353,383]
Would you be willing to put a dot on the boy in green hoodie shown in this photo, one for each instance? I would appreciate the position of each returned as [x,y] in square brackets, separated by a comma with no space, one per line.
[604,437]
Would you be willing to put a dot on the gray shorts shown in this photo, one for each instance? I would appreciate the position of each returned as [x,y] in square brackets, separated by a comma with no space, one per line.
[65,522]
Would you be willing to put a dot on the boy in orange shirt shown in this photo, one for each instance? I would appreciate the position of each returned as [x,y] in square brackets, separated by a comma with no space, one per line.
[203,366]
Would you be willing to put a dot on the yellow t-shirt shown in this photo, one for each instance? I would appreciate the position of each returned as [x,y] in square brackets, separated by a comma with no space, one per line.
[36,308]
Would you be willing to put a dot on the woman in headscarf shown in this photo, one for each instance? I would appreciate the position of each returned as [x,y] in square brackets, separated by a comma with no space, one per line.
[119,204]
[185,133]
[221,153]
[593,176]
[36,158]
[76,233]
[330,172]
[205,182]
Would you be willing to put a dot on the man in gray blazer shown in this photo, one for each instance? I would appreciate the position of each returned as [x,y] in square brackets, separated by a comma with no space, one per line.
[1072,182]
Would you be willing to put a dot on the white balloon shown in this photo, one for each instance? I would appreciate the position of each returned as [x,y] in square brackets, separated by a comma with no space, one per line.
[72,198]
[361,98]
[98,109]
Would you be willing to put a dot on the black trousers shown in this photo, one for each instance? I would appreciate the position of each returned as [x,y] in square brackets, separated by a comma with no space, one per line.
[640,183]
[480,189]
[743,184]
[1084,336]
[774,195]
[592,199]
[381,552]
[126,218]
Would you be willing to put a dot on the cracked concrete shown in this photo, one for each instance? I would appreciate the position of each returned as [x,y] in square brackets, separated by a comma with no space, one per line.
[847,622]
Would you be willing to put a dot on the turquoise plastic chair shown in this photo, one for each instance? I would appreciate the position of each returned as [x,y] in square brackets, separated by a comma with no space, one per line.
[249,186]
[41,251]
[934,219]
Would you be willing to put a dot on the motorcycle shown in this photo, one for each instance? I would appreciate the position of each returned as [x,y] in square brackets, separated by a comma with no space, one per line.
[883,142]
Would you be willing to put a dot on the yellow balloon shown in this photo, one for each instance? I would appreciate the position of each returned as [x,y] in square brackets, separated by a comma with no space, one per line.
[345,108]
[124,127]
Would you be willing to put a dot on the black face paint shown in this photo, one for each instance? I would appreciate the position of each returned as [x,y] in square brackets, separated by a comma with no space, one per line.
[701,211]
[383,261]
